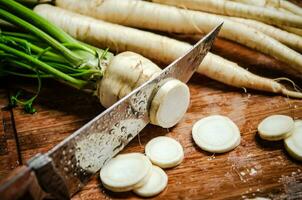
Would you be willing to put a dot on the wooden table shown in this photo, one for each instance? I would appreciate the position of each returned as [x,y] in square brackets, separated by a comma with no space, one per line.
[256,168]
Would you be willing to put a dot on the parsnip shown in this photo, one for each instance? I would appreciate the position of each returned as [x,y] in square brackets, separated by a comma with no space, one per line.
[296,31]
[292,40]
[166,18]
[125,72]
[279,4]
[159,48]
[236,9]
[129,70]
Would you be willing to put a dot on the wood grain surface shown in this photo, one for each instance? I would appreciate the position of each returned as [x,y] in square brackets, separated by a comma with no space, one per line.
[256,168]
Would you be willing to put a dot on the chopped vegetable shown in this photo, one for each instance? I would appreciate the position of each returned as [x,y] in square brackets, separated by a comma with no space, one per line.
[170,103]
[159,48]
[164,152]
[275,127]
[156,183]
[216,134]
[126,172]
[298,122]
[293,143]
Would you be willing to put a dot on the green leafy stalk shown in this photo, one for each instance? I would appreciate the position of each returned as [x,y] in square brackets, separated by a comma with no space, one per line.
[44,67]
[35,19]
[27,104]
[72,57]
[39,49]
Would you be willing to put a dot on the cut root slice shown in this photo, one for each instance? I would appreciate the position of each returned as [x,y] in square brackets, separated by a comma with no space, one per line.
[293,144]
[164,152]
[216,134]
[126,172]
[170,103]
[275,127]
[298,122]
[156,183]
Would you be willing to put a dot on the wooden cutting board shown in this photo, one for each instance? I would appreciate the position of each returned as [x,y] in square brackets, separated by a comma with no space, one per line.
[254,169]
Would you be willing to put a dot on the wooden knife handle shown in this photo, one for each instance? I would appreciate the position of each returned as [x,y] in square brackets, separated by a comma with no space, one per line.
[21,184]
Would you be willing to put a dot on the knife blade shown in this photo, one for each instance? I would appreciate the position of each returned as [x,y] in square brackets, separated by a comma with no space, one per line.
[67,167]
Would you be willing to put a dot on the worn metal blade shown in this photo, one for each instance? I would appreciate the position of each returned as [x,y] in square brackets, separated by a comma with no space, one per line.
[68,166]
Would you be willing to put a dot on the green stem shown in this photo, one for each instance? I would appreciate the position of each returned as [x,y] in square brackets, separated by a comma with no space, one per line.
[45,55]
[72,57]
[28,75]
[38,21]
[64,68]
[44,67]
[32,3]
[21,35]
[21,65]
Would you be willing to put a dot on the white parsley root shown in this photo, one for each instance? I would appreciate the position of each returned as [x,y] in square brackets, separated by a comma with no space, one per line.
[160,48]
[216,134]
[293,143]
[275,127]
[225,7]
[129,70]
[164,152]
[156,183]
[126,172]
[154,16]
[125,72]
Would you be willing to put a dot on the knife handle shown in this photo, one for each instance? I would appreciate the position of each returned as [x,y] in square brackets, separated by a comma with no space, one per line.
[21,184]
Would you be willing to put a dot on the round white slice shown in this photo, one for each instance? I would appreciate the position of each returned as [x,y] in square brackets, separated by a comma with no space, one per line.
[170,103]
[298,122]
[216,134]
[156,183]
[275,127]
[293,144]
[125,171]
[164,152]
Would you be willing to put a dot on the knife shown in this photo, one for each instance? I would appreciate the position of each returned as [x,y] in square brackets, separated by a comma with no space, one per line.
[65,169]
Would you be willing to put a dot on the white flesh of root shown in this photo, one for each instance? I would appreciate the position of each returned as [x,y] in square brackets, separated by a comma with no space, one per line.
[164,49]
[216,134]
[153,16]
[170,103]
[164,152]
[156,183]
[293,143]
[126,172]
[298,122]
[275,127]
